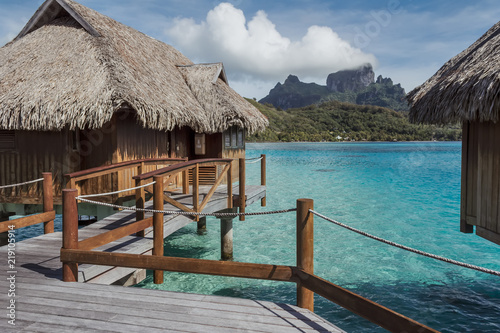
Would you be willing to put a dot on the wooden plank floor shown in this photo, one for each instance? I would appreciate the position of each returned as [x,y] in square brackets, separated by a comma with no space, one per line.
[43,303]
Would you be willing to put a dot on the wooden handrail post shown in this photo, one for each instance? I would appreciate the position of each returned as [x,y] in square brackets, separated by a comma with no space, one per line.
[185,182]
[242,185]
[48,201]
[140,198]
[305,250]
[230,186]
[158,225]
[263,177]
[70,232]
[196,190]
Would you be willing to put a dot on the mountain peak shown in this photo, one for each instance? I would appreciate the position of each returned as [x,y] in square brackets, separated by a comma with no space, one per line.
[351,79]
[291,79]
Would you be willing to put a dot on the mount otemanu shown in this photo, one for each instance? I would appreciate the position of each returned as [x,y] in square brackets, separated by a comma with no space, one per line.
[357,86]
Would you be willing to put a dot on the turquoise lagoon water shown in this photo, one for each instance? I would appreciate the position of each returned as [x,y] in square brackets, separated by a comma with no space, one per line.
[405,192]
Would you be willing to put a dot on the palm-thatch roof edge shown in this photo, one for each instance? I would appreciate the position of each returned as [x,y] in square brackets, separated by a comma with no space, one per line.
[208,83]
[466,88]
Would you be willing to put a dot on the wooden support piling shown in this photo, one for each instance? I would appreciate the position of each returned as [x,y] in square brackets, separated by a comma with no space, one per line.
[305,250]
[158,225]
[70,232]
[263,177]
[202,225]
[226,235]
[48,201]
[243,200]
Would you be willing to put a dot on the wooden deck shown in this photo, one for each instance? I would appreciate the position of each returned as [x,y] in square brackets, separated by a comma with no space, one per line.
[44,303]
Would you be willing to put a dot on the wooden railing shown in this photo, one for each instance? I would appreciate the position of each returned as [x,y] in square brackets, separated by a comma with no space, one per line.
[73,178]
[168,174]
[162,178]
[47,217]
[74,252]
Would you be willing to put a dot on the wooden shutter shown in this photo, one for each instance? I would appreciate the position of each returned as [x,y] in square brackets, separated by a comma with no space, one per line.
[207,175]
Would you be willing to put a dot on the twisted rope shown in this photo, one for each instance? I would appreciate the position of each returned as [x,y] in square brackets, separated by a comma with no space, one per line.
[175,212]
[253,160]
[116,192]
[429,255]
[21,184]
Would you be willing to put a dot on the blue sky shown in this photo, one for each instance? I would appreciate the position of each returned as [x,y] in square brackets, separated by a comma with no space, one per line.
[261,42]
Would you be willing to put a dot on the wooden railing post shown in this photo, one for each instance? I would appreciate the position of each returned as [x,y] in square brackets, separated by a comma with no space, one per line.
[230,186]
[196,190]
[48,201]
[70,232]
[242,185]
[305,250]
[158,225]
[140,198]
[185,182]
[263,177]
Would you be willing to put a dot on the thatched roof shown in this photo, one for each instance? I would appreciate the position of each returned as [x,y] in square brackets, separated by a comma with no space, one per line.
[209,85]
[466,88]
[72,66]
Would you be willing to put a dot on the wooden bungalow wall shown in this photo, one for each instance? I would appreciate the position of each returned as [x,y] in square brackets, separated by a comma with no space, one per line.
[480,180]
[34,153]
[214,148]
[122,139]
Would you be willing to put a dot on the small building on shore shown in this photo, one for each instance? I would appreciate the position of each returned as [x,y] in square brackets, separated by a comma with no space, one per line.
[467,90]
[80,90]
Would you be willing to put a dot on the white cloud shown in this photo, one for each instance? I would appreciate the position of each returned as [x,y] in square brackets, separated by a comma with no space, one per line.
[256,50]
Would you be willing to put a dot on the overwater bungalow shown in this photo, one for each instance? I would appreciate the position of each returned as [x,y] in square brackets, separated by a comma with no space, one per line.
[79,90]
[466,90]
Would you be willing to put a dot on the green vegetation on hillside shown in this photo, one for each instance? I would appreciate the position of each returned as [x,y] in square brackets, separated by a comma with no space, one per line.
[339,121]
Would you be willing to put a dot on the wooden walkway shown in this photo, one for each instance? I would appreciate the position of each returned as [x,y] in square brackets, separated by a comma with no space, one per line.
[43,303]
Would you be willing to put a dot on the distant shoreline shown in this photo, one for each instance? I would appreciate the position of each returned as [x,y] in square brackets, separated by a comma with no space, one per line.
[428,141]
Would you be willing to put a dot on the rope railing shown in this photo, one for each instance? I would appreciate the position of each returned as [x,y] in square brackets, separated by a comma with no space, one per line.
[115,192]
[253,160]
[21,184]
[175,212]
[407,248]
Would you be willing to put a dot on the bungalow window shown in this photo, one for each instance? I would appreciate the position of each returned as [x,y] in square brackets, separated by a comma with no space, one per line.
[241,138]
[234,135]
[234,138]
[7,140]
[227,138]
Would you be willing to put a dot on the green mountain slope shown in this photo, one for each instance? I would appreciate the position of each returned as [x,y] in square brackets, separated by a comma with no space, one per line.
[340,121]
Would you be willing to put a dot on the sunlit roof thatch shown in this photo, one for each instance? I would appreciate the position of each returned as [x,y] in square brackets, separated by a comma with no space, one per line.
[71,66]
